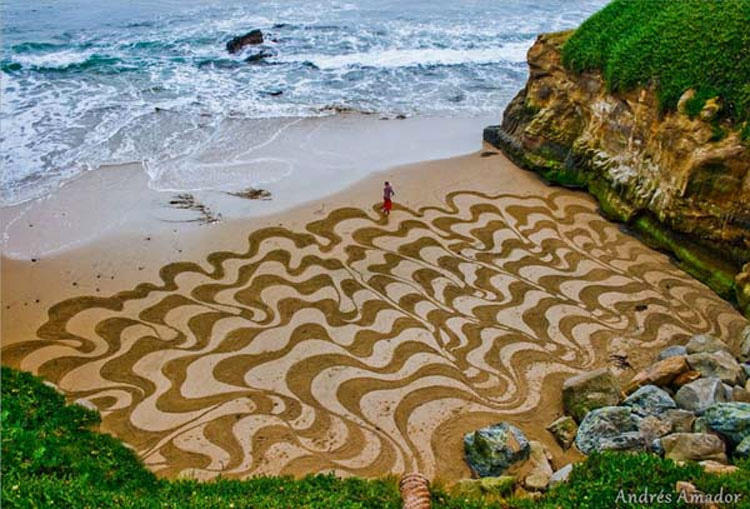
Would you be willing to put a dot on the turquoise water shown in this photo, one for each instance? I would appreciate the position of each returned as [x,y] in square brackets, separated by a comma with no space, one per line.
[87,82]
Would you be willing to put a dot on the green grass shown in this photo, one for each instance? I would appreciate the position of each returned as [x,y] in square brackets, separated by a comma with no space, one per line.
[676,45]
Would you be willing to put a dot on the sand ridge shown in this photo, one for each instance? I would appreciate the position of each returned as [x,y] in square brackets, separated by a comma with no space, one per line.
[364,345]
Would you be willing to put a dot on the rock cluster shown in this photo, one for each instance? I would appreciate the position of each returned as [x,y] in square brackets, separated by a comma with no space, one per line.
[691,404]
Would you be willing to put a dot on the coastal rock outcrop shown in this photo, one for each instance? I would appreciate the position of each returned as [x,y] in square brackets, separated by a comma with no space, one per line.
[252,38]
[682,181]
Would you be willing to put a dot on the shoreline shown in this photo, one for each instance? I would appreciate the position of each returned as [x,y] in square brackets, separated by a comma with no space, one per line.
[380,367]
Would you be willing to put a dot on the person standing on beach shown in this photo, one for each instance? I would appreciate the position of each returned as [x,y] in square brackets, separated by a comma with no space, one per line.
[388,192]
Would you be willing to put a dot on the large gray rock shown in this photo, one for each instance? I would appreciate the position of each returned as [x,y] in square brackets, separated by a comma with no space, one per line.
[705,343]
[694,447]
[650,400]
[602,424]
[731,420]
[564,429]
[719,364]
[491,450]
[681,420]
[743,448]
[588,391]
[745,344]
[540,469]
[561,475]
[699,395]
[672,351]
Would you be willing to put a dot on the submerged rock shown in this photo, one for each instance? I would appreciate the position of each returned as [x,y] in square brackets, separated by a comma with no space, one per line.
[603,424]
[731,420]
[650,400]
[694,447]
[251,38]
[588,391]
[564,429]
[491,450]
[699,395]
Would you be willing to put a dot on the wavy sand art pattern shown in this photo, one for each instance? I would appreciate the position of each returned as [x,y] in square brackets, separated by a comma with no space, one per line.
[365,346]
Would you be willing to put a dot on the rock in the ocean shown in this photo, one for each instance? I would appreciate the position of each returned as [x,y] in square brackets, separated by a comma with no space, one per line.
[491,450]
[699,395]
[743,448]
[718,364]
[251,38]
[604,423]
[588,391]
[561,475]
[672,351]
[258,57]
[681,420]
[541,471]
[564,429]
[731,420]
[694,447]
[705,343]
[660,373]
[650,400]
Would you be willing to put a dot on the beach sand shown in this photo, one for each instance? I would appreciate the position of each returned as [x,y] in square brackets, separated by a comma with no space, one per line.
[329,338]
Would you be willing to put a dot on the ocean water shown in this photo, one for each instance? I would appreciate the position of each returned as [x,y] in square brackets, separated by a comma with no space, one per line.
[91,82]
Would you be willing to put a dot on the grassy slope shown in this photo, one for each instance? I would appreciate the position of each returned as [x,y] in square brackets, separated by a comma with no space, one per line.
[699,44]
[51,458]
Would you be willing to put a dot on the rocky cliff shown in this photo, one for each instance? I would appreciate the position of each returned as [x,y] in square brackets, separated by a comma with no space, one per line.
[681,181]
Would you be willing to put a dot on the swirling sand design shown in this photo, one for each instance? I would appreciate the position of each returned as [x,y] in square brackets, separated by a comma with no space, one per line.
[367,346]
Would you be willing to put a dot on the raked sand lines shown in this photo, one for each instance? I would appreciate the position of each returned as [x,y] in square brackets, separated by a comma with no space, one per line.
[365,346]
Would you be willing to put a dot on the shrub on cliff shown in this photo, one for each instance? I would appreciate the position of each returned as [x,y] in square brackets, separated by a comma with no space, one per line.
[698,44]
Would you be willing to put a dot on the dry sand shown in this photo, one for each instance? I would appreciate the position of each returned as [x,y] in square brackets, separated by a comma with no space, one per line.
[329,338]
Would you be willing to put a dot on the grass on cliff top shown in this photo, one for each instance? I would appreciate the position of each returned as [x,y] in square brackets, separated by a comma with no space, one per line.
[677,45]
[51,458]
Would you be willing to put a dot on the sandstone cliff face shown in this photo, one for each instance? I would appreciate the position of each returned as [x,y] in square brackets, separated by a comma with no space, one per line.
[684,183]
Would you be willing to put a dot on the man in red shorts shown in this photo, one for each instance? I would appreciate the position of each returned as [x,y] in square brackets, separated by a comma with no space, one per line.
[388,192]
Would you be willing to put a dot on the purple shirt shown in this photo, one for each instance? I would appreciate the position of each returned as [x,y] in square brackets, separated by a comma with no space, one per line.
[388,192]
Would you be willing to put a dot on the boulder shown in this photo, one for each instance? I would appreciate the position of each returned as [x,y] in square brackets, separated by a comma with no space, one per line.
[541,471]
[672,351]
[604,423]
[628,441]
[685,378]
[714,467]
[731,420]
[700,426]
[740,394]
[649,400]
[564,429]
[705,343]
[743,448]
[694,447]
[660,373]
[588,391]
[561,475]
[653,427]
[251,38]
[681,420]
[699,395]
[745,344]
[491,450]
[719,364]
[258,58]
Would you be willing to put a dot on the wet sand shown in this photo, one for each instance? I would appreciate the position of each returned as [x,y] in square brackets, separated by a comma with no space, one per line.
[329,338]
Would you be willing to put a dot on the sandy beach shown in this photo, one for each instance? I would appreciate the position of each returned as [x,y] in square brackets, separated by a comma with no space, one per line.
[327,337]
